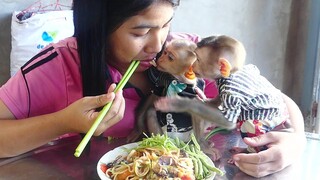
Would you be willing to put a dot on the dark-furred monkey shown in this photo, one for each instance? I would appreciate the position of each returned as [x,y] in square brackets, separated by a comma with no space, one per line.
[173,74]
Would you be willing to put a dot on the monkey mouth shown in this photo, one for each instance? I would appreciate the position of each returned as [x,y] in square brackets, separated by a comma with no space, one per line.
[153,63]
[145,63]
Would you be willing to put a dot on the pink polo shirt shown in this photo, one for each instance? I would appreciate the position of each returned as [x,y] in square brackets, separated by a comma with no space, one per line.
[51,81]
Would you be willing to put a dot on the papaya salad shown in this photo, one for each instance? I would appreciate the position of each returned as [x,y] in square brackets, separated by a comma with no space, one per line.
[161,157]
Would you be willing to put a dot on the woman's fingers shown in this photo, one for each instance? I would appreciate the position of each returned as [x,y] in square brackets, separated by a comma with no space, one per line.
[258,164]
[254,169]
[261,140]
[272,160]
[114,115]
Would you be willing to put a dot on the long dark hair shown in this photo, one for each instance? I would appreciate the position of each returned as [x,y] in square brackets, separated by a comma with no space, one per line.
[94,21]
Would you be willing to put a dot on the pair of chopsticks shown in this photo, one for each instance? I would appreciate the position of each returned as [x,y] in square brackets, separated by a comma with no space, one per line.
[133,66]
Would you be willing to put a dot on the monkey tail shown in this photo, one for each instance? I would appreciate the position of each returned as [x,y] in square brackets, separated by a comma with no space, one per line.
[216,131]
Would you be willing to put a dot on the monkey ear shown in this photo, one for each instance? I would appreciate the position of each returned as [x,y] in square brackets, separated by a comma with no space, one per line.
[225,67]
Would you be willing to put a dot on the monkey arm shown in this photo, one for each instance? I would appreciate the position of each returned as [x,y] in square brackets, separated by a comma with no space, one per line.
[145,116]
[216,102]
[142,116]
[195,108]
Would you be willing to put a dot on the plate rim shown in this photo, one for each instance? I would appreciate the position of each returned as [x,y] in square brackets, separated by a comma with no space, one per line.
[121,148]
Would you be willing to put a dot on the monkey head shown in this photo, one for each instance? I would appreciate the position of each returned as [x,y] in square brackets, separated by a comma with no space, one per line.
[177,58]
[218,56]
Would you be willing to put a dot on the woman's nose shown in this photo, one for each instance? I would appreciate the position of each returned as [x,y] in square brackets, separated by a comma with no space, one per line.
[155,43]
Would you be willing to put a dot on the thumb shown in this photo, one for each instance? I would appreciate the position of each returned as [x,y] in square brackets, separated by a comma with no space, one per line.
[101,100]
[260,140]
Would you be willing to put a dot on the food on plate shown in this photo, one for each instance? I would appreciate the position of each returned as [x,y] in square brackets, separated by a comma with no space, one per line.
[161,157]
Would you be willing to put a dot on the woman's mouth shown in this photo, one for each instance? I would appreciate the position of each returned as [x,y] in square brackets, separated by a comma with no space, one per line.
[146,63]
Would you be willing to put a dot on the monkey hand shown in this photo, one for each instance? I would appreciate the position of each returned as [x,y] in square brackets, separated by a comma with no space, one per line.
[200,94]
[208,148]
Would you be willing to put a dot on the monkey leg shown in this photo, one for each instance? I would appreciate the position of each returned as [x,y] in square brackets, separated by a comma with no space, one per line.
[199,128]
[142,117]
[208,148]
[134,135]
[153,125]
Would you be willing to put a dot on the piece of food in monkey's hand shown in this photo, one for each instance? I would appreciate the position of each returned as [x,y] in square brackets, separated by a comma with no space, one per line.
[153,63]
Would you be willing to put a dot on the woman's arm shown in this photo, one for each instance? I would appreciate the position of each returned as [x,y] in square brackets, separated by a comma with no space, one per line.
[20,136]
[284,148]
[295,114]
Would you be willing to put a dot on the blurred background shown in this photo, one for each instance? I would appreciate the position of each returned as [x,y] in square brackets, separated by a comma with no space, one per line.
[281,38]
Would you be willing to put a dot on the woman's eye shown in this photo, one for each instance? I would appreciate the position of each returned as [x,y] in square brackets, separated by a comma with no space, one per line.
[140,35]
[167,25]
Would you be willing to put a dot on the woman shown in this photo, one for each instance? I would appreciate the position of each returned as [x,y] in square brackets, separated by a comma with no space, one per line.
[58,90]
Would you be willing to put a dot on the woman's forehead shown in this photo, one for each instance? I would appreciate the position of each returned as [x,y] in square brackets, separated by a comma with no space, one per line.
[156,16]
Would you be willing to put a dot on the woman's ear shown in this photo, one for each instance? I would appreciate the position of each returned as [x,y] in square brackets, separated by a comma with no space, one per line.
[225,67]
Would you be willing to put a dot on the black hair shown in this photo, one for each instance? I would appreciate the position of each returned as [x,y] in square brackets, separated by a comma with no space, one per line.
[94,21]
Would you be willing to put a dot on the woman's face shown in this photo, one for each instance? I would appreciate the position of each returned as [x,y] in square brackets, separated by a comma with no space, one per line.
[141,37]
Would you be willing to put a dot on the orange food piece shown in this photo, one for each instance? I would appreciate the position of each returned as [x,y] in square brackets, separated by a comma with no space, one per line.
[186,177]
[190,74]
[124,175]
[103,168]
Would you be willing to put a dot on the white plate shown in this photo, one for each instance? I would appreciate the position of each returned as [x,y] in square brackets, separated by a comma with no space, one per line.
[111,156]
[121,150]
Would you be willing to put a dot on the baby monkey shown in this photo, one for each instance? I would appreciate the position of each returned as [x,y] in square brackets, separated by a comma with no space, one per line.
[172,75]
[246,98]
[174,78]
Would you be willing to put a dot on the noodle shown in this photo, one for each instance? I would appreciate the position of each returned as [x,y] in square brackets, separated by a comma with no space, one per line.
[153,163]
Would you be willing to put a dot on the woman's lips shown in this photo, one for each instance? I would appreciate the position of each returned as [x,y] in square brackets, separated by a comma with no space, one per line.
[146,63]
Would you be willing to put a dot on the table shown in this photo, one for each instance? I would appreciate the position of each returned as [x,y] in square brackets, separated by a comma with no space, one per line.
[56,161]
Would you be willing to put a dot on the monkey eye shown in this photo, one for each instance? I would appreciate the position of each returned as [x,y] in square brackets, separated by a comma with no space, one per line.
[171,57]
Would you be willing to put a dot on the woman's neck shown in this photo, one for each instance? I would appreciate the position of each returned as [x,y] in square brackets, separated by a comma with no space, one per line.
[141,81]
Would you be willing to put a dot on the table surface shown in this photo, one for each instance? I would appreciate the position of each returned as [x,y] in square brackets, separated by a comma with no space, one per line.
[56,160]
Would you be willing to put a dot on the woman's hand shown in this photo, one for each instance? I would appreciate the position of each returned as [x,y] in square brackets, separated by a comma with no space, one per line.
[284,148]
[79,116]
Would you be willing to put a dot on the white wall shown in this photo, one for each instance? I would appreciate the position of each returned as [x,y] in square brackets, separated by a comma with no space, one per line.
[262,25]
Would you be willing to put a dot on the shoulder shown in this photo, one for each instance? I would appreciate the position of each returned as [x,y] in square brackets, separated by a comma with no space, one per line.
[180,35]
[62,53]
[251,68]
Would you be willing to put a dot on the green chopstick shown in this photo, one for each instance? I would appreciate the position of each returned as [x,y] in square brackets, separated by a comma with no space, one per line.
[133,66]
